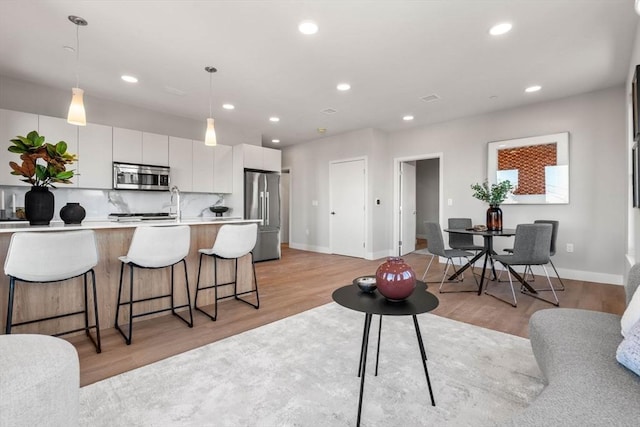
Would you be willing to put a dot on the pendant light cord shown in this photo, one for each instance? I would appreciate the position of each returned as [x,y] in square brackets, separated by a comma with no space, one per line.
[210,91]
[77,55]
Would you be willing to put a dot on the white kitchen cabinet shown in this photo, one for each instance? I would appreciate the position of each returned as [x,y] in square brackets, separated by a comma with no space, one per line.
[12,124]
[180,162]
[261,158]
[127,145]
[55,129]
[203,161]
[252,156]
[95,163]
[223,169]
[155,149]
[272,159]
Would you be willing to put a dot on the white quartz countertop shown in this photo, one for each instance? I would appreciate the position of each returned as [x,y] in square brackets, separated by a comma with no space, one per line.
[88,224]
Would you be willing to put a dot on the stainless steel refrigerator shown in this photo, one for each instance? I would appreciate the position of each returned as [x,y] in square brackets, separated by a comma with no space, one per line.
[262,201]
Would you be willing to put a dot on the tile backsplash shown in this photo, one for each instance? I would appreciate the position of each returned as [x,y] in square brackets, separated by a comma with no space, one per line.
[100,203]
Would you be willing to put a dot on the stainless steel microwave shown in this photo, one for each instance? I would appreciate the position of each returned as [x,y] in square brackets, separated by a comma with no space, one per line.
[131,176]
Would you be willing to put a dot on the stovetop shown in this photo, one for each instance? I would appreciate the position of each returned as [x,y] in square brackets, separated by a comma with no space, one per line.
[140,216]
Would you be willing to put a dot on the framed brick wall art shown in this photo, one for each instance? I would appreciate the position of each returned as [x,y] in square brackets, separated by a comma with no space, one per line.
[537,166]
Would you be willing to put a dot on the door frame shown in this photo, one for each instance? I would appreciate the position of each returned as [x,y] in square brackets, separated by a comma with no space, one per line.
[365,223]
[397,194]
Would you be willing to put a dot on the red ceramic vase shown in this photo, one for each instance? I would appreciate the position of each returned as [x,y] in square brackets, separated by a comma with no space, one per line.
[395,279]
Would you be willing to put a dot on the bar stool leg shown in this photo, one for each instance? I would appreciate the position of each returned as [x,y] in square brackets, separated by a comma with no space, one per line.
[255,280]
[215,287]
[186,284]
[12,287]
[98,343]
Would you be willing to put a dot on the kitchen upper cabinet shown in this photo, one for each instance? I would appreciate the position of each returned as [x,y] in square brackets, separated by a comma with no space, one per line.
[261,158]
[180,162]
[223,169]
[12,124]
[155,149]
[203,161]
[55,129]
[95,156]
[127,145]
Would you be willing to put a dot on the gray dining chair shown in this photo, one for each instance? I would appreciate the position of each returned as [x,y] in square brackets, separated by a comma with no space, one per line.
[552,252]
[435,246]
[462,241]
[531,247]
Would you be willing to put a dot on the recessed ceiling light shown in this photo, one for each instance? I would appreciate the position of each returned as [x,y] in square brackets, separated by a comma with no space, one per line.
[308,27]
[228,106]
[275,141]
[343,86]
[274,119]
[533,89]
[129,79]
[321,130]
[500,29]
[407,118]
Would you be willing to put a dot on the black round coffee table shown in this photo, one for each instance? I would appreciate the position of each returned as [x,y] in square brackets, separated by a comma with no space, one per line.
[420,301]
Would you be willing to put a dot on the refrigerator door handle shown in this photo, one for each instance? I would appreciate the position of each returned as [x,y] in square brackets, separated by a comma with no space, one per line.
[267,208]
[261,213]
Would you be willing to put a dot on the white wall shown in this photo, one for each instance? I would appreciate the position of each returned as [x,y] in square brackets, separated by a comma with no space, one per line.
[594,221]
[19,95]
[633,225]
[309,165]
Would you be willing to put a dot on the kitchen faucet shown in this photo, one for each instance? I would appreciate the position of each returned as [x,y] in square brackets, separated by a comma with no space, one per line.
[175,191]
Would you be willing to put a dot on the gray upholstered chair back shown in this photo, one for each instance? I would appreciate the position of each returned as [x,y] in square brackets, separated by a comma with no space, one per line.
[633,281]
[554,232]
[458,240]
[435,242]
[532,243]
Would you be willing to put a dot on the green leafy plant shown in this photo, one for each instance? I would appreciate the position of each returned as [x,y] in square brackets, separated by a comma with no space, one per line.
[494,195]
[43,164]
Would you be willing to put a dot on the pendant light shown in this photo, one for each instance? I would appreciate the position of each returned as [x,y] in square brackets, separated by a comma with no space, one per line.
[210,136]
[77,115]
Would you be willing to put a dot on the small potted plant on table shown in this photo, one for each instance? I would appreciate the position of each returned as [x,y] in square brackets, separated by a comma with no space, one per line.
[494,195]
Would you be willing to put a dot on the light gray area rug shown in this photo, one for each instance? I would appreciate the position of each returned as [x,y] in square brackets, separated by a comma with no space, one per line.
[301,371]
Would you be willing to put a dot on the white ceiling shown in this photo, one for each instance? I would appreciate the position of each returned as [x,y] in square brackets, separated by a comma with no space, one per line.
[393,53]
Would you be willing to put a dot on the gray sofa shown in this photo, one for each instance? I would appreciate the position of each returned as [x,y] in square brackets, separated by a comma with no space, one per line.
[586,386]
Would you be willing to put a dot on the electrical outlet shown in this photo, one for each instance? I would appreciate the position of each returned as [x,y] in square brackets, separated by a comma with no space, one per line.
[450,202]
[569,247]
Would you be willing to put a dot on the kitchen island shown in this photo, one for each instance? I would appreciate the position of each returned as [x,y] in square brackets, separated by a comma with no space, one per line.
[113,239]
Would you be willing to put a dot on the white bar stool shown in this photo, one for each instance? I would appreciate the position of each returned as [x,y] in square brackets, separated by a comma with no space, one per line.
[232,242]
[152,248]
[59,255]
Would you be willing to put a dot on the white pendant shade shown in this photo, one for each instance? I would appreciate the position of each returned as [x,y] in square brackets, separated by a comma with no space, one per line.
[210,136]
[76,114]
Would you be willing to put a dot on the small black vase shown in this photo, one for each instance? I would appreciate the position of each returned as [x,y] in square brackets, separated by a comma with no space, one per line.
[494,218]
[38,205]
[72,213]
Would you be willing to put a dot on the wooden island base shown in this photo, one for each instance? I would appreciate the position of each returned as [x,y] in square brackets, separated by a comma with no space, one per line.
[34,300]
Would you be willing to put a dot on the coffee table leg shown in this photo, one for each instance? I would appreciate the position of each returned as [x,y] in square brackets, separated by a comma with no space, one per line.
[378,351]
[363,360]
[424,358]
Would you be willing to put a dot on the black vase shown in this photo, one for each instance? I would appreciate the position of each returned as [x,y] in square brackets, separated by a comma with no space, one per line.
[494,218]
[72,213]
[38,205]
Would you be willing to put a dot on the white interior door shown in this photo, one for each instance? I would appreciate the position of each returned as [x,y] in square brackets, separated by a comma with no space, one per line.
[347,208]
[407,207]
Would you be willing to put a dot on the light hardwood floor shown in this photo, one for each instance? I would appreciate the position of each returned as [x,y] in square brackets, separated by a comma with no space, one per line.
[303,280]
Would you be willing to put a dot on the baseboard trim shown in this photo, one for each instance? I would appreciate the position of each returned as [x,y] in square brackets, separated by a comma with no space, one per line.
[311,248]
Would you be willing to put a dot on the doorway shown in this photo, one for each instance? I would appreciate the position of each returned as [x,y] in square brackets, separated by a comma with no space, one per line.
[347,194]
[424,201]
